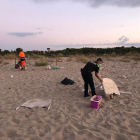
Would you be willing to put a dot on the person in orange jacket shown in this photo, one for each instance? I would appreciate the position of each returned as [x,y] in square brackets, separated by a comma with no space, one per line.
[22,59]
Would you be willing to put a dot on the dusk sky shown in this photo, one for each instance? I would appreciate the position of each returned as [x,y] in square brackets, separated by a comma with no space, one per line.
[60,24]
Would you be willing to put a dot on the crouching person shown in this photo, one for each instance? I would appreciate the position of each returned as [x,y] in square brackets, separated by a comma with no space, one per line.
[22,59]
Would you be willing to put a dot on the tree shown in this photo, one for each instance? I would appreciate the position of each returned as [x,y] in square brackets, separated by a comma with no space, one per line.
[18,50]
[6,52]
[48,50]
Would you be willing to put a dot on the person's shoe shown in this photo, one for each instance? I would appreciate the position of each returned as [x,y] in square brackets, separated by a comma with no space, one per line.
[86,95]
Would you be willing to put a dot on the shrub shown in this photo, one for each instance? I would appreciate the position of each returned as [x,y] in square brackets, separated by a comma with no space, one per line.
[84,59]
[105,54]
[53,56]
[128,54]
[113,54]
[92,55]
[60,55]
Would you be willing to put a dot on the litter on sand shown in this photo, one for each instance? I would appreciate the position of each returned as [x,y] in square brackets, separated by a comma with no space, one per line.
[124,77]
[84,90]
[122,82]
[79,86]
[67,81]
[48,67]
[12,76]
[126,92]
[55,67]
[36,103]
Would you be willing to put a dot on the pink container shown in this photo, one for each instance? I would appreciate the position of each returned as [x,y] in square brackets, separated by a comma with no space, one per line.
[96,103]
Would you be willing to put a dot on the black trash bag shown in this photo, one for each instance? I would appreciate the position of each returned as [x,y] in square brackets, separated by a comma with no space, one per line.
[17,66]
[67,81]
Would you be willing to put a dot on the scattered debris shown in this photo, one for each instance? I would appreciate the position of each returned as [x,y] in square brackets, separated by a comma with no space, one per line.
[122,82]
[48,67]
[124,77]
[55,67]
[79,86]
[126,92]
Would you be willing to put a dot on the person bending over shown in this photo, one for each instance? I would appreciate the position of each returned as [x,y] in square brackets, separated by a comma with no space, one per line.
[22,59]
[87,76]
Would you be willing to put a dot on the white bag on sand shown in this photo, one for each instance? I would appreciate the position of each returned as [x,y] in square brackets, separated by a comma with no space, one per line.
[37,103]
[48,67]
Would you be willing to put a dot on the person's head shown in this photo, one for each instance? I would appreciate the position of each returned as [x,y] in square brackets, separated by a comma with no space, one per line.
[99,61]
[21,50]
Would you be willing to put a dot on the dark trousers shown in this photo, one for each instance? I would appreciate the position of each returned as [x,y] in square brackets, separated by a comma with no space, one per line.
[87,77]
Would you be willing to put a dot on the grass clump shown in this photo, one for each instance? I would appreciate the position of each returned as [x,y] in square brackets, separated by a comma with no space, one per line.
[125,60]
[70,58]
[81,58]
[60,55]
[84,59]
[53,56]
[106,55]
[35,56]
[91,55]
[128,54]
[10,56]
[45,63]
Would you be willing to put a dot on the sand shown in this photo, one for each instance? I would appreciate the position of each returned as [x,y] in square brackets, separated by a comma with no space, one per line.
[70,116]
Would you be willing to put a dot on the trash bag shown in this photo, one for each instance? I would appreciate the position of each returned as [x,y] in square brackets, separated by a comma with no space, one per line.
[17,66]
[67,81]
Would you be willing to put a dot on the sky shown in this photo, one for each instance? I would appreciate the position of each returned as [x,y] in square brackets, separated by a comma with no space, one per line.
[60,24]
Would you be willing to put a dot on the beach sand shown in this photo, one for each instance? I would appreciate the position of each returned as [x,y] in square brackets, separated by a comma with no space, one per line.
[70,116]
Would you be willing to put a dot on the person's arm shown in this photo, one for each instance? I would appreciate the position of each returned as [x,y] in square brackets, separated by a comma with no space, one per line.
[96,74]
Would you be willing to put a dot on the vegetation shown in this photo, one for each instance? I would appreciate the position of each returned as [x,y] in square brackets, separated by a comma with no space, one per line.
[125,60]
[89,52]
[81,58]
[35,56]
[43,63]
[10,56]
